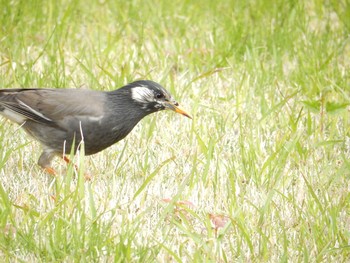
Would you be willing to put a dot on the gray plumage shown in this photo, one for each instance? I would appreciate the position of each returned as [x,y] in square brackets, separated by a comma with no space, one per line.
[56,117]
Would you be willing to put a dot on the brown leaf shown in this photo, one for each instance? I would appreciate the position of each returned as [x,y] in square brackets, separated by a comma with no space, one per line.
[219,221]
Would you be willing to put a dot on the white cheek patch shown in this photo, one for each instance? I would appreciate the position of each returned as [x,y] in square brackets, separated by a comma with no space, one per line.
[142,94]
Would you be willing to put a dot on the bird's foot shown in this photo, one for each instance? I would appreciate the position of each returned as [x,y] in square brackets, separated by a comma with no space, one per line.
[50,171]
[87,177]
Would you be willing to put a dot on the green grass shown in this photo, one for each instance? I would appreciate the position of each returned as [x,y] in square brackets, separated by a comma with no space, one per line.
[268,84]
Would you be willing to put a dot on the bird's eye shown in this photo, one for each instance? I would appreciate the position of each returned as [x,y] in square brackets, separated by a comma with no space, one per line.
[159,96]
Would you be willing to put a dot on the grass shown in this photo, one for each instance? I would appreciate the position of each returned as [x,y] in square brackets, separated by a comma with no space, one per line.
[267,153]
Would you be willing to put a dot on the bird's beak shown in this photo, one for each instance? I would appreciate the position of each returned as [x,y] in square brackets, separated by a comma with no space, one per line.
[174,107]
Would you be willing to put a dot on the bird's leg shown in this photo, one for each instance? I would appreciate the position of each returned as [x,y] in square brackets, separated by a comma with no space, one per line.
[66,159]
[45,161]
[50,171]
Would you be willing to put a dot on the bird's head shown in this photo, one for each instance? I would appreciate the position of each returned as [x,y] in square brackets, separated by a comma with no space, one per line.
[152,97]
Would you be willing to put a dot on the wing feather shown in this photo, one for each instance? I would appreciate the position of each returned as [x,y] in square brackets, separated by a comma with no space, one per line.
[51,106]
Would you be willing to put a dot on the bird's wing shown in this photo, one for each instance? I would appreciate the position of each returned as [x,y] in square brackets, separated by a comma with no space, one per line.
[50,105]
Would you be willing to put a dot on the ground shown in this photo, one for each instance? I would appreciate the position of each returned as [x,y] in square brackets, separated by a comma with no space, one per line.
[261,173]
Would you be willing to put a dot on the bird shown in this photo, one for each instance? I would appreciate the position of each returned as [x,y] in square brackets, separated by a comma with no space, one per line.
[61,118]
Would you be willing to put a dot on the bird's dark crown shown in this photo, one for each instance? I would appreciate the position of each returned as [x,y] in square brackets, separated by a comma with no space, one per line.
[157,89]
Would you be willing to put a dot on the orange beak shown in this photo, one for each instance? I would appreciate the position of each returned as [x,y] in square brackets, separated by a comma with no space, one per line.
[174,107]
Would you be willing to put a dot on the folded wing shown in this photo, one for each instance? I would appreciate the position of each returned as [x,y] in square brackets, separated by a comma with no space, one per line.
[50,106]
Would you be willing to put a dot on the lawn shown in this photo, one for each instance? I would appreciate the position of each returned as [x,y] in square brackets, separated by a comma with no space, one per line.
[261,173]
